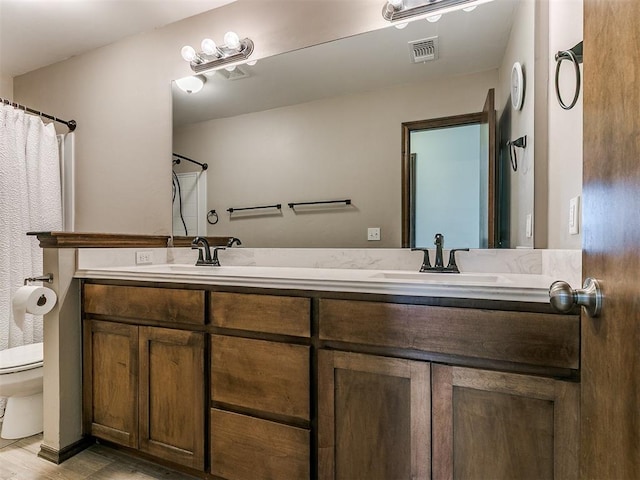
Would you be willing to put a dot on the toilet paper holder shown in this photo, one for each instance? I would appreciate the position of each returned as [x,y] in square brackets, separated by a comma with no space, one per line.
[42,278]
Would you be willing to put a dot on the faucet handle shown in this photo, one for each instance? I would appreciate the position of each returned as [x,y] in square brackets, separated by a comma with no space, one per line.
[426,263]
[453,267]
[214,261]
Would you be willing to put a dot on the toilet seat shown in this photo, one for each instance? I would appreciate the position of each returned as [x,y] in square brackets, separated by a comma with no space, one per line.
[18,359]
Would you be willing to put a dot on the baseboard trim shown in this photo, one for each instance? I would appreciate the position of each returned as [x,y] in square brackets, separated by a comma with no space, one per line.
[59,456]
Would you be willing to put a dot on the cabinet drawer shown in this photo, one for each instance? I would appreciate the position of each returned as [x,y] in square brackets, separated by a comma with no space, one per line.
[266,376]
[521,337]
[262,313]
[248,448]
[145,303]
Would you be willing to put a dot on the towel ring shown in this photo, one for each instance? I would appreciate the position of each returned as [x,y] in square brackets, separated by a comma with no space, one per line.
[212,214]
[567,55]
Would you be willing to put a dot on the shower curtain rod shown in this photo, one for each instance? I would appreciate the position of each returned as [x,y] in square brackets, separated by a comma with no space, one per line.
[71,124]
[203,165]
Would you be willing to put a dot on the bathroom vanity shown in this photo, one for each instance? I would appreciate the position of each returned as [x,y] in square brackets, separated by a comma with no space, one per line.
[344,377]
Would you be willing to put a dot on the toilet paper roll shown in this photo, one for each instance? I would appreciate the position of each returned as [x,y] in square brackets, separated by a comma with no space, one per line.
[34,300]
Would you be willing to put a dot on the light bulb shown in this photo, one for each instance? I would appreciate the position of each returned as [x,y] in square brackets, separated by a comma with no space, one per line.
[209,46]
[434,18]
[188,53]
[232,40]
[251,63]
[191,84]
[396,4]
[230,68]
[400,26]
[470,9]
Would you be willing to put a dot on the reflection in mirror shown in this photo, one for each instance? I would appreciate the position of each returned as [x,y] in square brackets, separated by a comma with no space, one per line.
[324,123]
[448,180]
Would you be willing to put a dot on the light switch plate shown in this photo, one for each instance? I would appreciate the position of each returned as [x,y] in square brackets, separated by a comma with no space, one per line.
[574,215]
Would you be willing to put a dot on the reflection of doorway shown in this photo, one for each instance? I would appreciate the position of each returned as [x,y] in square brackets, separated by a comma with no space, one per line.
[189,203]
[446,194]
[448,180]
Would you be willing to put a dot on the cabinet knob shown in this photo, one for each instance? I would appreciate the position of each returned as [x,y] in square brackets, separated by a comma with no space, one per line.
[562,297]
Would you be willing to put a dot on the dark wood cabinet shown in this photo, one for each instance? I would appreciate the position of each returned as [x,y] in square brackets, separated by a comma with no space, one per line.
[260,387]
[110,381]
[500,425]
[244,447]
[257,385]
[374,417]
[264,376]
[171,395]
[144,386]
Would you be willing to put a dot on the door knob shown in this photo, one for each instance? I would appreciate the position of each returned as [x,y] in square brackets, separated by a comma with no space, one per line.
[563,297]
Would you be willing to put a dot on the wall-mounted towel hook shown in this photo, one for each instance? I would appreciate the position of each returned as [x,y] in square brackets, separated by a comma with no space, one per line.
[573,55]
[520,142]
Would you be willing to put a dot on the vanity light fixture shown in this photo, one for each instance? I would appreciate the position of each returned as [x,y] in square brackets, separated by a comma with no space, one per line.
[403,11]
[213,56]
[192,84]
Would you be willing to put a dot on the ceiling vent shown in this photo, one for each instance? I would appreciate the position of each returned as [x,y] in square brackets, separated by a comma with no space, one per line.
[235,74]
[424,50]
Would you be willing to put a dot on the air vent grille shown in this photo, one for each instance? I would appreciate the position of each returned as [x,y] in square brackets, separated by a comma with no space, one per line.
[235,74]
[424,50]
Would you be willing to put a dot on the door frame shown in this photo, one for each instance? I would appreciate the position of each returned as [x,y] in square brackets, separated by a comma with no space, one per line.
[407,170]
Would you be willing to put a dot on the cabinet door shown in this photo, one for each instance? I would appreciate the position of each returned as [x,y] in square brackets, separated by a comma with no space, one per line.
[373,417]
[503,426]
[110,381]
[171,402]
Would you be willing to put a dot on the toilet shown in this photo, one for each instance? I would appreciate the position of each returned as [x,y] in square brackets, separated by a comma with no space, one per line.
[21,382]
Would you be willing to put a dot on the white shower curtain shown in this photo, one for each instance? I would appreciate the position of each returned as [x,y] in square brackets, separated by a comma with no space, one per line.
[30,200]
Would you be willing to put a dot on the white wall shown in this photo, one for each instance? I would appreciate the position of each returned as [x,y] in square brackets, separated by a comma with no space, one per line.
[344,147]
[120,96]
[565,126]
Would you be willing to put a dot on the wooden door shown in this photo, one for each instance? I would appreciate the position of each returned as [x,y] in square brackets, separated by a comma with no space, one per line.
[171,402]
[610,400]
[503,426]
[110,381]
[374,417]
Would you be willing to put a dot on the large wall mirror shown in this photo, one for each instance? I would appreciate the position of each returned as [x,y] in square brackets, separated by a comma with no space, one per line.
[324,123]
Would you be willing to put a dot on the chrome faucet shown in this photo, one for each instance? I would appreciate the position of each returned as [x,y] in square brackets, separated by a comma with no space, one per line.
[202,244]
[439,267]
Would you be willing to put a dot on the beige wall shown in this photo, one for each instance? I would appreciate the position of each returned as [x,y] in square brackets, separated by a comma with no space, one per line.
[521,48]
[565,126]
[6,86]
[121,98]
[344,147]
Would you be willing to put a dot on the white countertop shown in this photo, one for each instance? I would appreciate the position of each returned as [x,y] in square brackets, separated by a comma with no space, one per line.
[489,286]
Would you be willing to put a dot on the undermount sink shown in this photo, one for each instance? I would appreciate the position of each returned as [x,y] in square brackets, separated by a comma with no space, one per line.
[444,278]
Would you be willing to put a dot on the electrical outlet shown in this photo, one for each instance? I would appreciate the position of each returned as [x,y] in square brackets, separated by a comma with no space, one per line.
[373,234]
[144,258]
[574,215]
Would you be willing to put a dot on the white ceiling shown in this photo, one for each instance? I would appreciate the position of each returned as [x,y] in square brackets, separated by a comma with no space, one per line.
[36,33]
